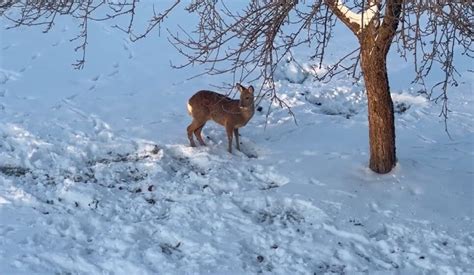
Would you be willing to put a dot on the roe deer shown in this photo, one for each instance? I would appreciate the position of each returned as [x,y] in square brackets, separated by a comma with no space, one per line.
[230,113]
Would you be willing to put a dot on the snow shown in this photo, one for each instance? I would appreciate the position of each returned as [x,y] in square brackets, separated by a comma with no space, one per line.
[361,19]
[97,176]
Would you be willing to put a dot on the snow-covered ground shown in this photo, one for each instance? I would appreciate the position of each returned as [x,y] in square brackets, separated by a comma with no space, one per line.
[96,175]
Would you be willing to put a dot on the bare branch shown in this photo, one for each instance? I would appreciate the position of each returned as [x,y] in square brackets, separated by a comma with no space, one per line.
[248,44]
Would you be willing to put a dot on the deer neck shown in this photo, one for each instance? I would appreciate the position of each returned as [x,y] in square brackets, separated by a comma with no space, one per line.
[247,113]
[241,114]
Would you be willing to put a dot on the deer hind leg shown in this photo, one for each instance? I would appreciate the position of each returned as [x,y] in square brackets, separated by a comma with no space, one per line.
[198,135]
[236,134]
[229,130]
[191,128]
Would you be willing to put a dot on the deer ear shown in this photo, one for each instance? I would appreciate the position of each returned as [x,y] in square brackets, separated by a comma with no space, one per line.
[251,89]
[239,87]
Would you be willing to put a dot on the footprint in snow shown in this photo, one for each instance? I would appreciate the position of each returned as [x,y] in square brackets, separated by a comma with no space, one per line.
[113,73]
[247,148]
[316,182]
[71,97]
[6,47]
[128,50]
[94,80]
[376,208]
[4,78]
[325,268]
[115,70]
[342,193]
[4,231]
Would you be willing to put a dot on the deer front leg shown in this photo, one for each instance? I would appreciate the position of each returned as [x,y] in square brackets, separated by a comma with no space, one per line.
[236,134]
[229,129]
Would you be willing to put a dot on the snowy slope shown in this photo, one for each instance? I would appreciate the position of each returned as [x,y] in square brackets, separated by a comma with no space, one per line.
[96,175]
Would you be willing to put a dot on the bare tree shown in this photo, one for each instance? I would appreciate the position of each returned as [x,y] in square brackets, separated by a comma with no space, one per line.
[249,43]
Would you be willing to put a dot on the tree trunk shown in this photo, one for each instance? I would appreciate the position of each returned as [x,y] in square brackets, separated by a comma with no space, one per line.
[375,39]
[381,118]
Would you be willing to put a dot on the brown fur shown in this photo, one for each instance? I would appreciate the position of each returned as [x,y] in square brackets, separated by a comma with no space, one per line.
[230,113]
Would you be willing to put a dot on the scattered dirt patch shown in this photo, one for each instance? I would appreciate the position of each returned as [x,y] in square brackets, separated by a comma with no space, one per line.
[14,171]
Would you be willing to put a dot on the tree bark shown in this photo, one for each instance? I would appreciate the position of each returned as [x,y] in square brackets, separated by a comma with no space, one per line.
[380,105]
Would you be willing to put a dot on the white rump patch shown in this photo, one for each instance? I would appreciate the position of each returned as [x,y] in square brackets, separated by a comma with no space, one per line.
[190,109]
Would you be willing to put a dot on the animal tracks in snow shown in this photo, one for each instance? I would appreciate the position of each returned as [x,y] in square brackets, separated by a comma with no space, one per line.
[161,197]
